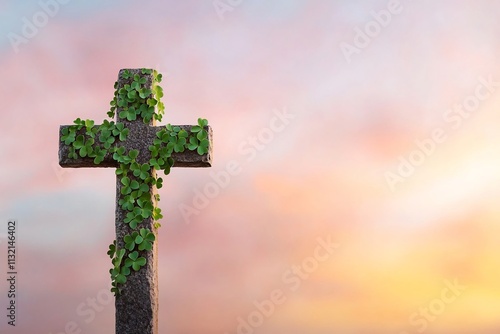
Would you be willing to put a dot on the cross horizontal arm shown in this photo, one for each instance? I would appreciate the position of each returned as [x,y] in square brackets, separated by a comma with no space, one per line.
[184,159]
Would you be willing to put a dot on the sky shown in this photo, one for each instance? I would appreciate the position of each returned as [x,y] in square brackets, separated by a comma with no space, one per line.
[355,183]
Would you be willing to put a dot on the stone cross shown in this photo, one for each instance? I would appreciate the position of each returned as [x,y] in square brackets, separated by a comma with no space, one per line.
[137,305]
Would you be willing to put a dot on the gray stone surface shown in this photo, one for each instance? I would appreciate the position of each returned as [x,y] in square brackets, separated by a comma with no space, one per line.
[137,306]
[148,134]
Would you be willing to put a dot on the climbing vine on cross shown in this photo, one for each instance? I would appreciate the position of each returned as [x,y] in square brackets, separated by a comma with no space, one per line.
[133,101]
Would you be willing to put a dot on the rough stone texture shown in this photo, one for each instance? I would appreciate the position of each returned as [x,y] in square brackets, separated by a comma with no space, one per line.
[137,306]
[184,159]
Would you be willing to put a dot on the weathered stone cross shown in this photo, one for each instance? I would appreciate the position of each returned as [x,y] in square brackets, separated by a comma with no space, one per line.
[137,305]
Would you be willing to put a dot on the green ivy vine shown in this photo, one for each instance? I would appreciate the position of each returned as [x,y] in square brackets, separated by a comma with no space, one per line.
[85,140]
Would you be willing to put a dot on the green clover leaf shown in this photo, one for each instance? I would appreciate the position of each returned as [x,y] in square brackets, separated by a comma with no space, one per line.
[142,172]
[202,122]
[203,148]
[126,74]
[68,135]
[121,131]
[99,155]
[130,241]
[112,249]
[135,261]
[202,134]
[157,215]
[127,202]
[193,143]
[145,239]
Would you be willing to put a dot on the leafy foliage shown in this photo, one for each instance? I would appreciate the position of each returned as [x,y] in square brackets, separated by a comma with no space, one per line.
[132,102]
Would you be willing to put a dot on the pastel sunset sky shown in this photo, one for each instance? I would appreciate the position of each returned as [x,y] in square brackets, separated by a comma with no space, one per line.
[366,136]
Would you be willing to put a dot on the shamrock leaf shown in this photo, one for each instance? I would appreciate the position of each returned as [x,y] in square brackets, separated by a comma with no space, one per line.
[106,138]
[179,145]
[145,239]
[130,241]
[202,122]
[128,185]
[126,74]
[121,131]
[193,143]
[158,91]
[128,113]
[152,102]
[72,153]
[79,142]
[203,148]
[133,218]
[157,214]
[159,182]
[84,146]
[79,123]
[99,155]
[157,163]
[120,274]
[119,155]
[112,249]
[127,202]
[68,135]
[135,261]
[145,208]
[202,134]
[122,170]
[142,172]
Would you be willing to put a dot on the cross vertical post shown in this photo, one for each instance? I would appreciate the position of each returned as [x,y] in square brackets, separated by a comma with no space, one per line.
[137,304]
